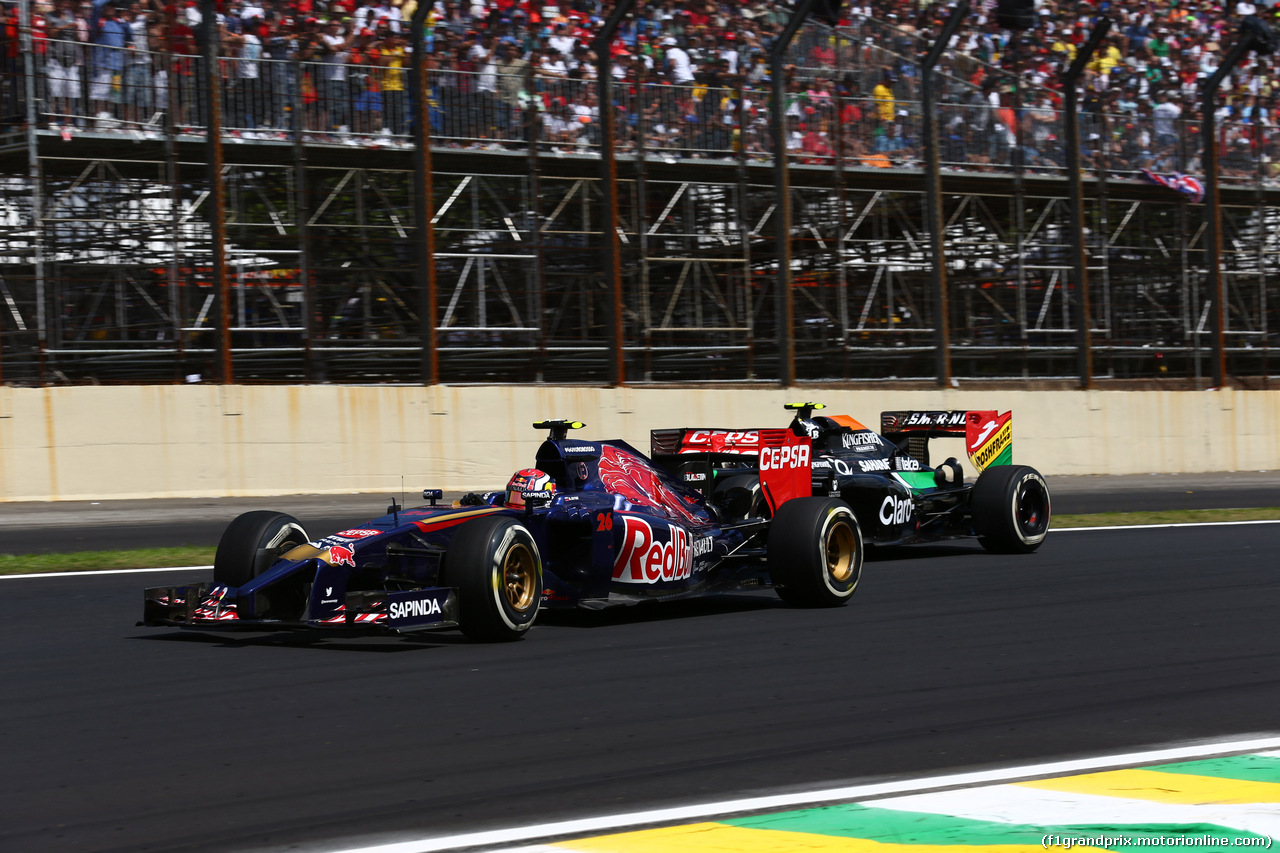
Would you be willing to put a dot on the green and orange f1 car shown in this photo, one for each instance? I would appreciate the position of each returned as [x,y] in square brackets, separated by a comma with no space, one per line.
[886,477]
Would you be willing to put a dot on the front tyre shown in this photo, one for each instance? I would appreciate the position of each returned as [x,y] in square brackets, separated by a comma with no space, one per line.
[252,542]
[495,566]
[1011,509]
[815,552]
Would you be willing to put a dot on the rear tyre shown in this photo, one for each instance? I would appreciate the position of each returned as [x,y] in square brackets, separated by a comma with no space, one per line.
[495,566]
[815,552]
[252,542]
[1011,509]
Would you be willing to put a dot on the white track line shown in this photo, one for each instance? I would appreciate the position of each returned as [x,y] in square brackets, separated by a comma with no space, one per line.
[706,811]
[1157,526]
[98,572]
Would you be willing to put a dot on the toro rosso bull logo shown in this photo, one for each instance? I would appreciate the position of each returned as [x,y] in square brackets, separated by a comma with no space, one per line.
[340,555]
[625,474]
[644,559]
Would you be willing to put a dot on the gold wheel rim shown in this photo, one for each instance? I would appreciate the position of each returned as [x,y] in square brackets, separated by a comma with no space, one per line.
[842,547]
[520,578]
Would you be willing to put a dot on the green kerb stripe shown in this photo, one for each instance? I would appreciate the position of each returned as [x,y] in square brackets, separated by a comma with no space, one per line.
[1249,768]
[890,826]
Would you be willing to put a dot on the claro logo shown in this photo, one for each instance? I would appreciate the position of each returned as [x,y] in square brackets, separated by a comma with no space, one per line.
[895,510]
[787,456]
[643,560]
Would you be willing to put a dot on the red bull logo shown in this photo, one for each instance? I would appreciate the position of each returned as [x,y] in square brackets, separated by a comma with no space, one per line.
[340,555]
[641,559]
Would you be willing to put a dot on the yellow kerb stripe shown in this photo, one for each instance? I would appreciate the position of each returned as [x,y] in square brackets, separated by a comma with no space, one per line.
[1164,787]
[722,838]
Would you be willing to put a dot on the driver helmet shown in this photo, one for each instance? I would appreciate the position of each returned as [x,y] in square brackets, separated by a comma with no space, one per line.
[527,480]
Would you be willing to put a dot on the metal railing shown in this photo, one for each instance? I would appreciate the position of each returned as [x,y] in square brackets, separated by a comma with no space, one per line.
[117,90]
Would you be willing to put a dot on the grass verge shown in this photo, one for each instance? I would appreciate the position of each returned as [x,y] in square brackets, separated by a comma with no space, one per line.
[88,561]
[145,558]
[1180,516]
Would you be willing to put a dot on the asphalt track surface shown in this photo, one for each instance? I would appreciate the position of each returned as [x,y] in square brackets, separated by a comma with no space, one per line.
[118,738]
[54,527]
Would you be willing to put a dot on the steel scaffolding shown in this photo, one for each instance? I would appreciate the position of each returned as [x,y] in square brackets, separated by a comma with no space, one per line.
[107,247]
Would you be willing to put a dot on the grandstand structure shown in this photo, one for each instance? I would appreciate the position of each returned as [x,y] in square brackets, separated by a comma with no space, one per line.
[109,236]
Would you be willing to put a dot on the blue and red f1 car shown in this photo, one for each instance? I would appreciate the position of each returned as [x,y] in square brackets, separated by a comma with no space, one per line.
[592,524]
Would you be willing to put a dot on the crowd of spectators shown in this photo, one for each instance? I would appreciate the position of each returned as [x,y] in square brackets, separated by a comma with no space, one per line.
[693,76]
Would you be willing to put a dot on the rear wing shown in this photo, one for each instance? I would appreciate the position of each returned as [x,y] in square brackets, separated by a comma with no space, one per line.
[697,456]
[988,435]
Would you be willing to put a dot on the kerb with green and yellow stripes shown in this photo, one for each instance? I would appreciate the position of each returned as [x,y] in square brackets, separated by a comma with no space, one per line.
[1210,804]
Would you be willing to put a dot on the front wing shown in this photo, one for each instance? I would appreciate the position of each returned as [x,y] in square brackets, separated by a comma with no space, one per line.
[217,607]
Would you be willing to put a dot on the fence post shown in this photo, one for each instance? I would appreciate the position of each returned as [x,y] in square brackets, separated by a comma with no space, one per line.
[423,202]
[1075,189]
[302,199]
[1254,35]
[533,136]
[934,214]
[217,192]
[783,297]
[609,189]
[37,185]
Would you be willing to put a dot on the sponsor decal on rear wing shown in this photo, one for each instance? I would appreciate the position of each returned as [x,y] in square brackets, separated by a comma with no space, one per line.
[987,434]
[784,459]
[670,442]
[786,466]
[693,454]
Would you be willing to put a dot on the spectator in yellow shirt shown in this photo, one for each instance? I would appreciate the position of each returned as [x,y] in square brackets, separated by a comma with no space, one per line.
[885,102]
[1109,57]
[391,57]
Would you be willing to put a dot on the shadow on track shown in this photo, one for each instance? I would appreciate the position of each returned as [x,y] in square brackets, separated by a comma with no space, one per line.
[645,612]
[958,548]
[317,640]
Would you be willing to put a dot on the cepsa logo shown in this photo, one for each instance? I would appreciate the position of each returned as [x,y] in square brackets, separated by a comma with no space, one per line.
[358,533]
[787,456]
[642,559]
[721,441]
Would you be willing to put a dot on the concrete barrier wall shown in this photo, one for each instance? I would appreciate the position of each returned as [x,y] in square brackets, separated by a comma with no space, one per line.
[89,443]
